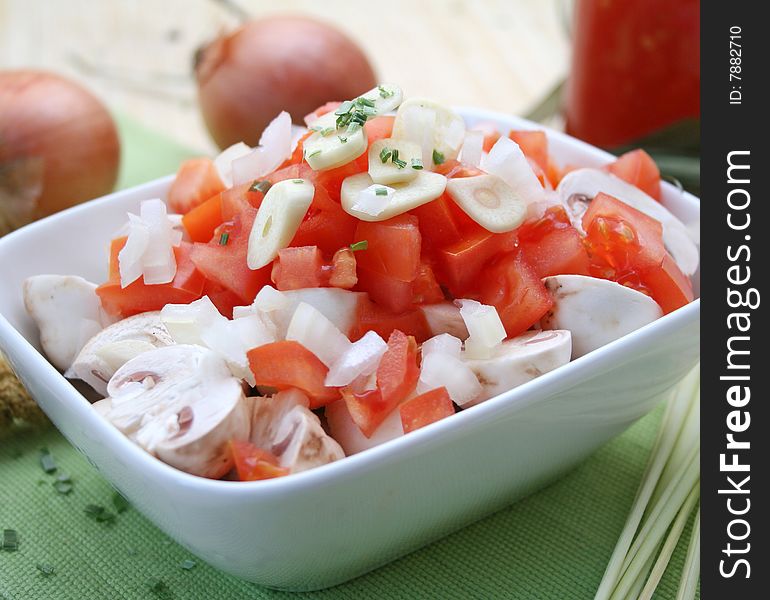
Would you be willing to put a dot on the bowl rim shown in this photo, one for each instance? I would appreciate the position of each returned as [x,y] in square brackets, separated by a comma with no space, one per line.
[463,424]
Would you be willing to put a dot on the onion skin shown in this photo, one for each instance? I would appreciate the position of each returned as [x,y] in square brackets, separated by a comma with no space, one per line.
[50,119]
[296,64]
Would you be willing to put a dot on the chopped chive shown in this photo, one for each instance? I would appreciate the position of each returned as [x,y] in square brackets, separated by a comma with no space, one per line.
[362,245]
[399,163]
[10,540]
[46,569]
[417,164]
[314,153]
[385,93]
[438,157]
[344,108]
[343,139]
[260,186]
[47,461]
[323,131]
[187,564]
[120,503]
[224,238]
[365,102]
[299,180]
[381,192]
[99,513]
[385,154]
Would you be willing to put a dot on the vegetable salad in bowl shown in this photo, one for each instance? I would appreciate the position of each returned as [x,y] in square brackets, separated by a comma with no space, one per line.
[347,283]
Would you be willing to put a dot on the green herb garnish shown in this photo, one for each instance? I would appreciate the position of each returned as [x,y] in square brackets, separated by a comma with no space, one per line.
[381,192]
[46,569]
[385,154]
[299,180]
[417,164]
[354,113]
[47,461]
[385,93]
[323,131]
[120,503]
[362,245]
[314,153]
[343,139]
[99,513]
[224,238]
[187,564]
[10,540]
[438,157]
[260,186]
[397,161]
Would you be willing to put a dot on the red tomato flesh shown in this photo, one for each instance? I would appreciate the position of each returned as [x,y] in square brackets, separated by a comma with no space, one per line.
[202,220]
[393,247]
[639,169]
[253,463]
[668,286]
[372,317]
[298,267]
[534,145]
[552,246]
[425,409]
[462,262]
[196,181]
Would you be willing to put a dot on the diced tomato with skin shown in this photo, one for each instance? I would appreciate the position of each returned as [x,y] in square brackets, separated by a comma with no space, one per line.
[342,271]
[639,169]
[393,247]
[225,264]
[668,286]
[288,364]
[298,267]
[372,317]
[187,285]
[196,181]
[222,298]
[331,179]
[425,287]
[461,263]
[379,128]
[325,225]
[425,409]
[554,173]
[438,224]
[397,377]
[454,169]
[297,156]
[621,236]
[534,145]
[253,463]
[513,287]
[552,246]
[238,199]
[390,293]
[202,220]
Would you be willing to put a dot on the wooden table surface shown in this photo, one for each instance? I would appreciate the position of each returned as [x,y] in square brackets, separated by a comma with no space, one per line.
[137,54]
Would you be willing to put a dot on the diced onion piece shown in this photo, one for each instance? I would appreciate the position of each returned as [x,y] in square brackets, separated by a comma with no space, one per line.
[393,161]
[278,218]
[185,322]
[424,188]
[431,125]
[473,148]
[440,369]
[314,331]
[484,326]
[360,359]
[489,201]
[270,299]
[158,260]
[507,161]
[442,344]
[130,256]
[224,162]
[274,148]
[374,199]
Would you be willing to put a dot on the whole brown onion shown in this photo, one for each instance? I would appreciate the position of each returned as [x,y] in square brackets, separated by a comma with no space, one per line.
[58,146]
[247,77]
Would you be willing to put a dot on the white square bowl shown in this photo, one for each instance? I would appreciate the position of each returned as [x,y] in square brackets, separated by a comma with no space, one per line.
[322,527]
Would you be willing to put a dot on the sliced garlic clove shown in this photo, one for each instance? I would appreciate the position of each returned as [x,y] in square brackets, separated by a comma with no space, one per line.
[329,147]
[425,187]
[386,97]
[387,171]
[433,126]
[596,311]
[278,218]
[489,201]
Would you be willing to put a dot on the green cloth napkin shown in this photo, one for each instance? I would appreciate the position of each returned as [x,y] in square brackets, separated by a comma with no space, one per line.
[552,545]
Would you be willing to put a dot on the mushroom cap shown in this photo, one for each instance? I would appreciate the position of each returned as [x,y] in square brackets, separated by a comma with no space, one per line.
[181,404]
[67,312]
[519,360]
[596,311]
[285,426]
[115,345]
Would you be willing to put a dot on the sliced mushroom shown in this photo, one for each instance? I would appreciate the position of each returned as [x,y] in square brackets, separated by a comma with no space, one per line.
[284,425]
[181,404]
[67,312]
[115,345]
[519,360]
[596,311]
[445,317]
[579,187]
[350,437]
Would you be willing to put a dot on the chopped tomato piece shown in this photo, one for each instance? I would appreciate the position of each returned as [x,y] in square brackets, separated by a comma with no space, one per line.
[393,247]
[139,297]
[425,287]
[534,145]
[514,288]
[490,139]
[238,199]
[396,378]
[253,464]
[298,267]
[390,293]
[223,259]
[372,317]
[298,155]
[379,128]
[554,173]
[425,409]
[288,364]
[455,169]
[552,246]
[202,220]
[342,273]
[438,224]
[668,286]
[325,225]
[639,169]
[462,262]
[331,180]
[621,236]
[196,181]
[222,298]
